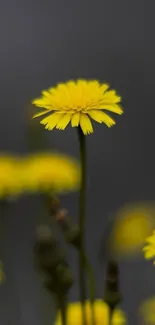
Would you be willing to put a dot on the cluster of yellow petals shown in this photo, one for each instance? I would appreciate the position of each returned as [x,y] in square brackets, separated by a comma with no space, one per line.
[49,172]
[9,180]
[149,248]
[146,311]
[38,173]
[131,227]
[101,309]
[78,102]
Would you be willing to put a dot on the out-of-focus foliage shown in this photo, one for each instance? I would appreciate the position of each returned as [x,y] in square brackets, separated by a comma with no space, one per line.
[74,314]
[131,227]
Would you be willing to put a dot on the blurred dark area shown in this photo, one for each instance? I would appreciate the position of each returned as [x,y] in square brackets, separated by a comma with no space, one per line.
[46,42]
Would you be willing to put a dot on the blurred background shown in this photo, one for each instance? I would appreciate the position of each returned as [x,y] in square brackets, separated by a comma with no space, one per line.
[46,42]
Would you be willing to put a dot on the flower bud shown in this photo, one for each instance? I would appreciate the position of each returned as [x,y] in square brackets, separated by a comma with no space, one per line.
[64,277]
[50,285]
[71,232]
[51,262]
[47,251]
[53,205]
[60,282]
[44,233]
[112,294]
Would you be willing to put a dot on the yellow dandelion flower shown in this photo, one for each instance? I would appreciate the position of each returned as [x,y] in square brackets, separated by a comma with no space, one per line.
[74,314]
[9,178]
[77,102]
[149,249]
[132,226]
[146,311]
[49,172]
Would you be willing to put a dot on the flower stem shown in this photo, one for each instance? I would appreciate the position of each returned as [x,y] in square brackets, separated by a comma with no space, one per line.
[82,282]
[91,287]
[83,260]
[62,306]
[111,310]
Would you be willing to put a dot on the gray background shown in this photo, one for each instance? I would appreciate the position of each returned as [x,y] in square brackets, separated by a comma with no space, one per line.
[41,43]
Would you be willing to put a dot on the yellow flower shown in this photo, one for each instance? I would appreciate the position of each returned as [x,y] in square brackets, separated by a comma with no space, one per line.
[9,177]
[130,229]
[149,249]
[146,311]
[74,315]
[49,172]
[77,102]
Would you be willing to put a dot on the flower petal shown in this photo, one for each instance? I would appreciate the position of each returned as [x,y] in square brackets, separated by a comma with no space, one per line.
[51,121]
[111,97]
[111,108]
[46,94]
[41,113]
[39,102]
[85,124]
[104,88]
[101,117]
[149,254]
[63,122]
[75,119]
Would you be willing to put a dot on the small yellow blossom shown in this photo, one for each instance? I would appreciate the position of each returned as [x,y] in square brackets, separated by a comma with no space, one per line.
[132,226]
[77,102]
[74,314]
[147,311]
[49,172]
[9,177]
[149,249]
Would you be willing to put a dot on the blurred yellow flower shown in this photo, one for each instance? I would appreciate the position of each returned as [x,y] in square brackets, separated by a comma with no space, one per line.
[74,315]
[147,311]
[132,226]
[149,249]
[9,177]
[49,172]
[77,102]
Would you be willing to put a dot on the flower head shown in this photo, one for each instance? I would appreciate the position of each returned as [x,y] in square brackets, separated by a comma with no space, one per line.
[49,172]
[74,314]
[146,311]
[77,102]
[131,228]
[149,249]
[9,177]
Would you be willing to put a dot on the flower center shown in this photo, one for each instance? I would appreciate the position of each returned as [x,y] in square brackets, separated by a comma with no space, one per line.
[79,109]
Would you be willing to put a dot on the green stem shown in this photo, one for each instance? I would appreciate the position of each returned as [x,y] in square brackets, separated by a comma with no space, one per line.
[111,310]
[82,282]
[62,306]
[91,287]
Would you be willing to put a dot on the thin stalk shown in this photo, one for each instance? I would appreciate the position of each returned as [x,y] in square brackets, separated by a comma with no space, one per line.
[91,287]
[111,310]
[63,308]
[63,315]
[82,282]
